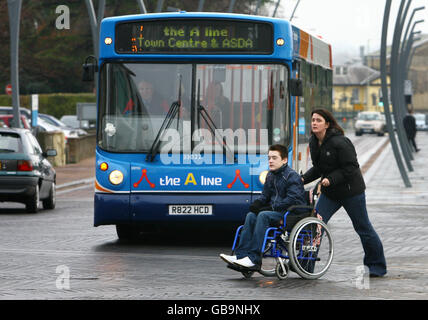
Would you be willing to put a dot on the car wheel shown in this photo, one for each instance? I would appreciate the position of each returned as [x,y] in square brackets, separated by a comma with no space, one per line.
[358,133]
[50,202]
[33,202]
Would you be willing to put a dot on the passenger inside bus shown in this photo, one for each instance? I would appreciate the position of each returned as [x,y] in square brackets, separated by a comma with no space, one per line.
[217,104]
[153,102]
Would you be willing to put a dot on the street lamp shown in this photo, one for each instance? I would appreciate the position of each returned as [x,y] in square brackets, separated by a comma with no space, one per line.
[392,138]
[396,81]
[402,72]
[294,10]
[410,21]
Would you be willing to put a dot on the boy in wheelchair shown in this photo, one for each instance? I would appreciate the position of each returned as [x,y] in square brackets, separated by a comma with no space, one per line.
[283,188]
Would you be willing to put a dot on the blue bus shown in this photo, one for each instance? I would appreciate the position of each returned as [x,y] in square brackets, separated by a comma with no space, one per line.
[188,104]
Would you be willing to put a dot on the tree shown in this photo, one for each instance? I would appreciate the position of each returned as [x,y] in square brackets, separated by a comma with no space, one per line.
[50,60]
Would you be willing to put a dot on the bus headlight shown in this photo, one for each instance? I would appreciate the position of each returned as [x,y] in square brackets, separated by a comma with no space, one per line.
[115,177]
[262,177]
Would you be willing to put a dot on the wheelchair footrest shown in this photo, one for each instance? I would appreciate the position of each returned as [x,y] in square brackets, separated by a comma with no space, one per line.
[241,269]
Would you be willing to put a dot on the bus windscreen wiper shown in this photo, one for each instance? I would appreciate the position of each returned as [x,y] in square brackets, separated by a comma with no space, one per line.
[170,116]
[211,125]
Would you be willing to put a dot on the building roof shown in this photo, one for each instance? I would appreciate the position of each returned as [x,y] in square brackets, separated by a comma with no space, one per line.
[422,41]
[355,74]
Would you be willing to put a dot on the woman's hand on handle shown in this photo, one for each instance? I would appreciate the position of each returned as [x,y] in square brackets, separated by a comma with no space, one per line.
[325,182]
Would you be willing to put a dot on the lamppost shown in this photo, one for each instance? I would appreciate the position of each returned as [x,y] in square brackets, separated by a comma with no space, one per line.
[276,8]
[395,83]
[231,5]
[295,8]
[386,107]
[404,62]
[142,6]
[411,53]
[14,10]
[402,75]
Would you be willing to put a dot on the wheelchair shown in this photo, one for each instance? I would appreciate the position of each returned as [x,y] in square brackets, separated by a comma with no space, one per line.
[301,243]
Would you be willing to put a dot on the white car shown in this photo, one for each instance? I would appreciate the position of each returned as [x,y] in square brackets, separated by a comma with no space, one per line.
[58,123]
[370,122]
[72,121]
[421,121]
[46,126]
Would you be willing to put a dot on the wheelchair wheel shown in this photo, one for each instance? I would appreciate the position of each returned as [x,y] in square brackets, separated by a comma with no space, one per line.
[268,263]
[310,248]
[282,269]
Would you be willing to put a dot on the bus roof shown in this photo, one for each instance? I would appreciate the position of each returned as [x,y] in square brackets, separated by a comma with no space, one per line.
[298,43]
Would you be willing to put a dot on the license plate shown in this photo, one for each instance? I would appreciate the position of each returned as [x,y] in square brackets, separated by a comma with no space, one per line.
[194,209]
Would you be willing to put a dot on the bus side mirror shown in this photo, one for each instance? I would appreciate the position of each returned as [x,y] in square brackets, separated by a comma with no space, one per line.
[296,87]
[89,69]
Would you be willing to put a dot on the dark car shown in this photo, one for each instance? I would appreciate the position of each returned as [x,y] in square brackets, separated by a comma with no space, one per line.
[26,176]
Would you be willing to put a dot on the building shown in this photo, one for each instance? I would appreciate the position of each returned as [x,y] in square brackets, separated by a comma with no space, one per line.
[356,87]
[418,71]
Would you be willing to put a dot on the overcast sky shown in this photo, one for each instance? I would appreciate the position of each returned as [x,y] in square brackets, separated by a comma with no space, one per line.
[349,24]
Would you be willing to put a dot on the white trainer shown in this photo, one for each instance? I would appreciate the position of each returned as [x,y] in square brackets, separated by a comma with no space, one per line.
[228,259]
[244,262]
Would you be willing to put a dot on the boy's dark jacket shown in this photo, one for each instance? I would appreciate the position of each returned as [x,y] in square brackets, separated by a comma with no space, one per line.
[282,189]
[336,160]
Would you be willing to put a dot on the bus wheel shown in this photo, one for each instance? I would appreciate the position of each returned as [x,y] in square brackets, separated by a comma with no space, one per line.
[126,232]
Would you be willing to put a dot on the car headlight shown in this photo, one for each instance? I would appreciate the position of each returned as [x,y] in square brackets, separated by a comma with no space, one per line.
[262,177]
[115,177]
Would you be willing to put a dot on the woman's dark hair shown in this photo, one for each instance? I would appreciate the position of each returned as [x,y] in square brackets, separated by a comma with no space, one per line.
[281,149]
[329,118]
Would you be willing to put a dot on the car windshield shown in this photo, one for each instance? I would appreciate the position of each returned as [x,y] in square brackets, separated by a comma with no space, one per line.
[369,116]
[46,125]
[248,104]
[10,142]
[53,121]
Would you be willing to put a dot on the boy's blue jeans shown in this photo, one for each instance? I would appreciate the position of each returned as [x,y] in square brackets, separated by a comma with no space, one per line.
[356,208]
[253,233]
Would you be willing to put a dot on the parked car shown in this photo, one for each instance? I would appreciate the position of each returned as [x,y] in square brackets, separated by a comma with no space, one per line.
[369,122]
[72,121]
[46,126]
[421,121]
[56,122]
[7,120]
[26,176]
[24,111]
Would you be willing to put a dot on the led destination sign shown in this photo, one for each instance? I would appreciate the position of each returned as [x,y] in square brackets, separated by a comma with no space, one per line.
[194,36]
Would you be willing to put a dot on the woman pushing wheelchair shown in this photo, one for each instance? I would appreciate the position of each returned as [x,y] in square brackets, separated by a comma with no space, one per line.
[342,185]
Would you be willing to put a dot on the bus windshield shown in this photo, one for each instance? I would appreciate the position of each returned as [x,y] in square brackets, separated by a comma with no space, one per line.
[247,104]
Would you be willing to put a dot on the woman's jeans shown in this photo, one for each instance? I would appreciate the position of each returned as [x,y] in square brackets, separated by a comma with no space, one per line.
[253,233]
[355,206]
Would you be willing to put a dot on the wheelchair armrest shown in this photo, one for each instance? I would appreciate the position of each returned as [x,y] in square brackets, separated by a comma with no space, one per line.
[292,208]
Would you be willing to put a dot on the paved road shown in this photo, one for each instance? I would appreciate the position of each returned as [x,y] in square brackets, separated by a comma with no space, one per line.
[38,251]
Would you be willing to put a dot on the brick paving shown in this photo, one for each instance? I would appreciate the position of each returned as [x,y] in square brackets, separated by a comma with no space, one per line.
[34,246]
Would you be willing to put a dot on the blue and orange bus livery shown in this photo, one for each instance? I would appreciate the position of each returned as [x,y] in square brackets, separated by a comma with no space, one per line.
[188,104]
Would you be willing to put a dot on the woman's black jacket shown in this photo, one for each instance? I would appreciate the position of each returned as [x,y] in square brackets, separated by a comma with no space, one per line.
[336,160]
